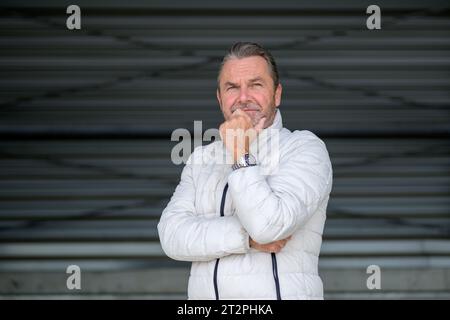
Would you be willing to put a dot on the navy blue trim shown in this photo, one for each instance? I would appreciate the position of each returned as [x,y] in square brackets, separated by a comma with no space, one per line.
[222,214]
[275,275]
[222,204]
[216,289]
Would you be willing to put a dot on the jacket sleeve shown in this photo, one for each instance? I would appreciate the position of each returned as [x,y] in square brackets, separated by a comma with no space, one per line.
[272,207]
[188,236]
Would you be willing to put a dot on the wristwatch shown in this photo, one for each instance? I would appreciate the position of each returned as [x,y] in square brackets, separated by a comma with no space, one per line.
[247,160]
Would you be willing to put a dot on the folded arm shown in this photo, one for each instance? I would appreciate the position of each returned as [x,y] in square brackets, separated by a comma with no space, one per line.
[186,236]
[272,207]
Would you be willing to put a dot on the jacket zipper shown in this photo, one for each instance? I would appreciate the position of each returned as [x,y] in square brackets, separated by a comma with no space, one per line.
[274,258]
[275,275]
[222,207]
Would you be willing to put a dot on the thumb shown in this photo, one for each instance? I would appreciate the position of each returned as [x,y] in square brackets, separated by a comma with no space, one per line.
[260,125]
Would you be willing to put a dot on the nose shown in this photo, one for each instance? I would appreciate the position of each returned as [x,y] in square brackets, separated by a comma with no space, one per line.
[243,94]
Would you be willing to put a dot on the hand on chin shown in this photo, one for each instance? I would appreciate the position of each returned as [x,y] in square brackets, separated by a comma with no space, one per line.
[239,131]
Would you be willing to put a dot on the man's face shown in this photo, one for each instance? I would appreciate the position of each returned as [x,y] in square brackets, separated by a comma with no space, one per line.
[246,84]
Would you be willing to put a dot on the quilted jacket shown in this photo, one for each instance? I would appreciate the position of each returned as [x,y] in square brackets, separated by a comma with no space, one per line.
[214,210]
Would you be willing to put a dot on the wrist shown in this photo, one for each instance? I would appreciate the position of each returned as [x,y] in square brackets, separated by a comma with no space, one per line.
[238,155]
[246,160]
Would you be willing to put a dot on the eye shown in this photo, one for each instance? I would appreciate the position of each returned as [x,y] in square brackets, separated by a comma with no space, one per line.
[230,88]
[257,84]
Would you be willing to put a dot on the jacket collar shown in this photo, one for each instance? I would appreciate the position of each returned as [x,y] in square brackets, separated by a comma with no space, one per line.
[268,132]
[277,122]
[266,147]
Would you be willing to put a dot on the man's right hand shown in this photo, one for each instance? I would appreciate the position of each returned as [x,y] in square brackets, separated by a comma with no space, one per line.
[274,247]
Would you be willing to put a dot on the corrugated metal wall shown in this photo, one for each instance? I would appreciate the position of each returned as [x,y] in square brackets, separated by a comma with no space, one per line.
[86,118]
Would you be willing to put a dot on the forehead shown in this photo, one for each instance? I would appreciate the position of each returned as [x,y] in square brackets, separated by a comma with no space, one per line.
[245,69]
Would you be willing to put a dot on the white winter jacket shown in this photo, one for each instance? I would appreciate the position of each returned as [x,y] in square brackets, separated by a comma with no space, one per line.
[214,210]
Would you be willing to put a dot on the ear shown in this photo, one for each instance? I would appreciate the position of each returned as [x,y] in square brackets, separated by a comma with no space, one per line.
[278,92]
[218,98]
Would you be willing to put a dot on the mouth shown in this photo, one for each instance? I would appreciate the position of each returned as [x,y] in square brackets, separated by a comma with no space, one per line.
[249,109]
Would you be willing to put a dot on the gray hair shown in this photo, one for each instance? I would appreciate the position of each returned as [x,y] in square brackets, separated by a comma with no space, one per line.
[241,50]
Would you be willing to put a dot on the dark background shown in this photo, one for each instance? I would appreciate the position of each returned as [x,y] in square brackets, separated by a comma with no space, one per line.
[86,118]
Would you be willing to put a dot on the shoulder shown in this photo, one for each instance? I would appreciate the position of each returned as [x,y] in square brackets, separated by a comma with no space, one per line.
[300,140]
[305,147]
[306,151]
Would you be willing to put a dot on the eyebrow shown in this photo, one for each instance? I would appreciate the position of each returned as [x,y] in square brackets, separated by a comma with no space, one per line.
[228,83]
[256,79]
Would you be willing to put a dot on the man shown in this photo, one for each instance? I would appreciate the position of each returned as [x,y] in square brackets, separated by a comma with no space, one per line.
[253,230]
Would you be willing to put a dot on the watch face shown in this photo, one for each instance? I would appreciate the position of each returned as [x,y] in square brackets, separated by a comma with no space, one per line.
[250,159]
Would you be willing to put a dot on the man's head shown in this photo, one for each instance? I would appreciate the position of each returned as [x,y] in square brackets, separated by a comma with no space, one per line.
[248,80]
